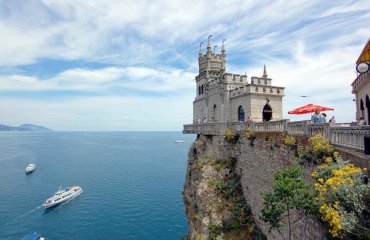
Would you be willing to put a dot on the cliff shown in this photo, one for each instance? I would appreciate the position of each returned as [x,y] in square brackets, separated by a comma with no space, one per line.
[224,183]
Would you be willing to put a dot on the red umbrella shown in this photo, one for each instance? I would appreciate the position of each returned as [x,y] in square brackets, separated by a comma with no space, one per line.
[309,108]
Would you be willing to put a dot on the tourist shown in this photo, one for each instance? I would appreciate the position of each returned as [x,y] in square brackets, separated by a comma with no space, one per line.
[324,117]
[332,121]
[362,122]
[317,117]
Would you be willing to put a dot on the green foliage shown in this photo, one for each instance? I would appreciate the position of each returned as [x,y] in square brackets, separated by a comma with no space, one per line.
[215,230]
[231,136]
[230,188]
[289,191]
[199,216]
[249,134]
[343,198]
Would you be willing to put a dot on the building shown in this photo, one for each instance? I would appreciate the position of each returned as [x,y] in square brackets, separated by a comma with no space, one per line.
[222,96]
[361,85]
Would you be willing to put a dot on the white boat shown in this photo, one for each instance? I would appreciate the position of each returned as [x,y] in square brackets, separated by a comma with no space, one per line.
[179,141]
[62,195]
[30,168]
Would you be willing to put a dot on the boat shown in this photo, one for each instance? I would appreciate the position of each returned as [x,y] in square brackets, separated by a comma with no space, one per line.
[30,168]
[179,141]
[33,236]
[62,195]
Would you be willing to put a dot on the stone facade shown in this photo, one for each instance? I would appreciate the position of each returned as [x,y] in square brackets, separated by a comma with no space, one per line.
[361,87]
[222,96]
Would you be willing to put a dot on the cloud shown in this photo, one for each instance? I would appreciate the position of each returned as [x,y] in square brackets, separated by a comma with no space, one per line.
[148,51]
[164,81]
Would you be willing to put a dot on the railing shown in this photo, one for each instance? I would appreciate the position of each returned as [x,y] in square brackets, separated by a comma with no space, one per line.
[273,126]
[298,128]
[351,137]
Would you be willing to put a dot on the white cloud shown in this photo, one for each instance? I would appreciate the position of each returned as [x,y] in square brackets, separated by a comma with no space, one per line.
[309,47]
[134,78]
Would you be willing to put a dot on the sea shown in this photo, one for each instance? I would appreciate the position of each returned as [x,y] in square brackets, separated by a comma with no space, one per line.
[132,184]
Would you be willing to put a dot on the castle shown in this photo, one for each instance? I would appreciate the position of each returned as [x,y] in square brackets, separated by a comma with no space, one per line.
[223,96]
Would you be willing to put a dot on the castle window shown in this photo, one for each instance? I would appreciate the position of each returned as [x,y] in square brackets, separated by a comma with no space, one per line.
[267,112]
[265,82]
[240,113]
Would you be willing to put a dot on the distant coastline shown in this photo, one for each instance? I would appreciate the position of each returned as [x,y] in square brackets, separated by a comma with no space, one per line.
[23,128]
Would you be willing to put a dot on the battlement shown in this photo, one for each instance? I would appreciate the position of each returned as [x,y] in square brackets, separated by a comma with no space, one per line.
[250,88]
[235,78]
[215,62]
[261,81]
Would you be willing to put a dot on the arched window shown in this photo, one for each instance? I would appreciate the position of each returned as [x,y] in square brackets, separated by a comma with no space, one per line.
[267,112]
[240,113]
[202,89]
[199,93]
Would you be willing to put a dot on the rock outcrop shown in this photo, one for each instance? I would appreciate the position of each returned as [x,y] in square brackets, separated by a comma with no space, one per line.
[224,185]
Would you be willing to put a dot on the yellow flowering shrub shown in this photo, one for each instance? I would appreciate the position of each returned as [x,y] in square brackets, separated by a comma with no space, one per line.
[289,140]
[319,144]
[331,215]
[248,133]
[229,134]
[341,195]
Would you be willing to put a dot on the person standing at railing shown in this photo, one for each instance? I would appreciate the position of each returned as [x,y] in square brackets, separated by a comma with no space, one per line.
[332,121]
[362,122]
[317,117]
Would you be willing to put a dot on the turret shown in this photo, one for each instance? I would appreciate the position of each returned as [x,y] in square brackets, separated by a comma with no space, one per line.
[211,62]
[223,55]
[264,71]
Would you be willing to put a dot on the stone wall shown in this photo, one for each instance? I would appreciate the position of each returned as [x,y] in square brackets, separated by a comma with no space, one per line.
[257,162]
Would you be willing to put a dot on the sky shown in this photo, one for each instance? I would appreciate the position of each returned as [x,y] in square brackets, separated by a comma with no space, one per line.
[98,65]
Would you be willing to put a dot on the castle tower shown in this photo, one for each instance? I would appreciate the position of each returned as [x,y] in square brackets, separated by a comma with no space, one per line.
[223,96]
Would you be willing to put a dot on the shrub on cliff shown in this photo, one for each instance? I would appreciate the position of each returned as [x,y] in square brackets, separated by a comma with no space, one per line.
[289,192]
[344,198]
[231,136]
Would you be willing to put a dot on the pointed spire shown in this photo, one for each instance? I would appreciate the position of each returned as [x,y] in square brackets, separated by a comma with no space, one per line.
[209,44]
[209,41]
[223,46]
[200,49]
[264,71]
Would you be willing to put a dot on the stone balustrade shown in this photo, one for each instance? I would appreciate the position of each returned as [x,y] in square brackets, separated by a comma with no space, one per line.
[351,137]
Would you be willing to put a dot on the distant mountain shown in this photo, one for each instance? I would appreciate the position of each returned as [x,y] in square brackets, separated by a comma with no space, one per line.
[24,127]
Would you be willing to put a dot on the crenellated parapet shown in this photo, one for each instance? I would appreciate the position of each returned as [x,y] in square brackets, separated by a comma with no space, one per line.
[256,89]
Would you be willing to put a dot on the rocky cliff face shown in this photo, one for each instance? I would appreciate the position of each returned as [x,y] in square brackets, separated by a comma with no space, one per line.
[223,187]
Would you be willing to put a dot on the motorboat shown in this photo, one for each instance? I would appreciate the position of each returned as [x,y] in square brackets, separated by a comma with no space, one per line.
[33,236]
[30,168]
[62,195]
[179,141]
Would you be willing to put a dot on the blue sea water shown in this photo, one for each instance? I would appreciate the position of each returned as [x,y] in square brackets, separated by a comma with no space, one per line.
[132,184]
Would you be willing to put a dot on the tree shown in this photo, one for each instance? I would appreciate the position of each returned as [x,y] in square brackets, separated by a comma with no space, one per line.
[289,191]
